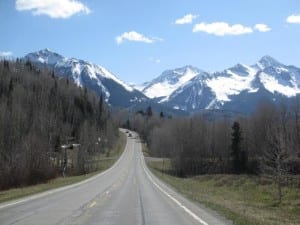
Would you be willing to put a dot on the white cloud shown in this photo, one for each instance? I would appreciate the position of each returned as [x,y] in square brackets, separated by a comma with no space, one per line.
[186,19]
[262,27]
[293,19]
[222,29]
[152,59]
[5,54]
[137,37]
[52,8]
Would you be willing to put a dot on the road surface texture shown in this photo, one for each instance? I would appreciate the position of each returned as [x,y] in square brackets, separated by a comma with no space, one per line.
[126,194]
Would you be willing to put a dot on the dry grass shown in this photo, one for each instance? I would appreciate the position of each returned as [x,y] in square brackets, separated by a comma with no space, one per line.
[243,199]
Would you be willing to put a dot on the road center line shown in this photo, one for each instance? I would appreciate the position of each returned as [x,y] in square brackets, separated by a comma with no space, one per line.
[92,204]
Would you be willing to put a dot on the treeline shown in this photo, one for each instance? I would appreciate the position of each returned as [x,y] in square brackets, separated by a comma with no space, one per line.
[39,113]
[267,142]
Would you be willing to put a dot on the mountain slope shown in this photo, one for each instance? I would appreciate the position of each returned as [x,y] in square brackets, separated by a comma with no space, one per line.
[239,88]
[100,80]
[170,81]
[86,74]
[193,95]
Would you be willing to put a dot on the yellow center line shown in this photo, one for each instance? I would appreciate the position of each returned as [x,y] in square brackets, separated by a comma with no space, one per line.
[92,204]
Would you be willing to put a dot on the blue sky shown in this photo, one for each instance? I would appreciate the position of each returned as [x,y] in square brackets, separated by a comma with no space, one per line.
[139,39]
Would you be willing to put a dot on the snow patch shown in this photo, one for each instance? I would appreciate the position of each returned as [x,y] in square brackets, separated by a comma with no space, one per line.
[272,85]
[105,73]
[77,80]
[224,86]
[41,60]
[166,88]
[76,69]
[94,72]
[212,105]
[138,87]
[281,69]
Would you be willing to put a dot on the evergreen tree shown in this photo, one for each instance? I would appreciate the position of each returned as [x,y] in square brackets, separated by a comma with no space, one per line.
[161,115]
[6,64]
[101,113]
[128,126]
[149,111]
[11,86]
[238,156]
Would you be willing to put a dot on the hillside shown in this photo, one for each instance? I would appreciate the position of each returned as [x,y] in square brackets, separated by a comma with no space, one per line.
[39,113]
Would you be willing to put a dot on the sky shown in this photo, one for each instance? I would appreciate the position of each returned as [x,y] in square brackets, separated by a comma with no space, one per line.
[137,39]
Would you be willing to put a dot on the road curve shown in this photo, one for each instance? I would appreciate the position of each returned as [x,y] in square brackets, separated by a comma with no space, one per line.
[126,194]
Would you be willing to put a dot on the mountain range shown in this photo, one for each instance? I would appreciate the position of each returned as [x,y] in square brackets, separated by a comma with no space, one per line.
[188,89]
[239,88]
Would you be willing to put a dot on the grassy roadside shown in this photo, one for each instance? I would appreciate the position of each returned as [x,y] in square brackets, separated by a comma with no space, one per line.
[246,200]
[60,182]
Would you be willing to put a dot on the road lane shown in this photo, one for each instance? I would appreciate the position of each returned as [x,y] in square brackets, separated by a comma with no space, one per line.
[127,194]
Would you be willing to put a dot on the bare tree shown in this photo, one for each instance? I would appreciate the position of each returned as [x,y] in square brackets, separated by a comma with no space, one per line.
[37,112]
[276,151]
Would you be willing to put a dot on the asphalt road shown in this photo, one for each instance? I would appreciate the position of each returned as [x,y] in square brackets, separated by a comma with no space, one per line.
[126,194]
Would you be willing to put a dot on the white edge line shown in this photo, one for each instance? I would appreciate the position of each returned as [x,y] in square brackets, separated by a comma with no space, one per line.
[192,214]
[46,193]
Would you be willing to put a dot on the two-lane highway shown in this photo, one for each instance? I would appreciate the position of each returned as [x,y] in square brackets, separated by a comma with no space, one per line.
[126,194]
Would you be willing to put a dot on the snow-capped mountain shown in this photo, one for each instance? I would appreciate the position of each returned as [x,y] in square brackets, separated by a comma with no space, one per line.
[239,88]
[90,75]
[191,96]
[278,78]
[169,81]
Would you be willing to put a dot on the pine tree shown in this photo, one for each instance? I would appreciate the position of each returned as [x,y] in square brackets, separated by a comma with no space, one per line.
[161,115]
[100,115]
[149,111]
[6,64]
[238,156]
[128,125]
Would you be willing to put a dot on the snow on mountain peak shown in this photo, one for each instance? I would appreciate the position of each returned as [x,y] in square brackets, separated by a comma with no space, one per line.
[189,90]
[78,68]
[232,82]
[111,76]
[86,74]
[45,56]
[188,87]
[274,85]
[267,61]
[169,81]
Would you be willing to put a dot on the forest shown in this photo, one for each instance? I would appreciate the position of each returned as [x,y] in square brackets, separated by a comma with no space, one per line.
[265,143]
[39,113]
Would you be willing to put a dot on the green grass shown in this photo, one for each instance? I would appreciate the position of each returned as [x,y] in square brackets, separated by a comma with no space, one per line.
[246,200]
[60,182]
